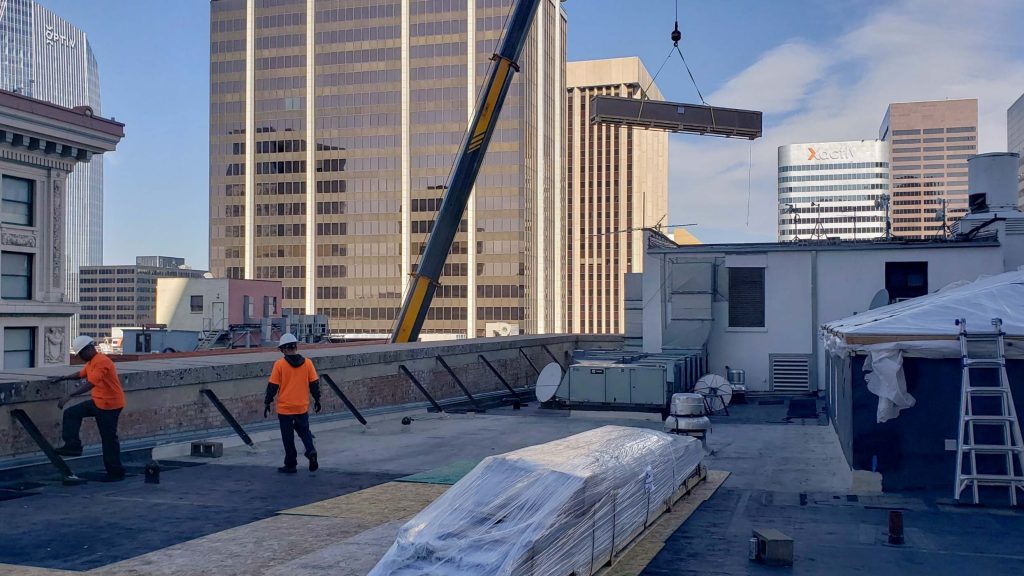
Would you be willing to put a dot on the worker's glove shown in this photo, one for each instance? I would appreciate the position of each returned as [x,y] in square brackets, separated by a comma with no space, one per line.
[317,407]
[266,410]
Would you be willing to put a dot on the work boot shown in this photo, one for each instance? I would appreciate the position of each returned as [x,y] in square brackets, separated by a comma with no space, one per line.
[313,463]
[287,470]
[71,451]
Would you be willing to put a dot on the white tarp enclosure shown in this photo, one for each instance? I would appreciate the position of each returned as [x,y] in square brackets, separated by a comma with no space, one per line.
[554,509]
[926,327]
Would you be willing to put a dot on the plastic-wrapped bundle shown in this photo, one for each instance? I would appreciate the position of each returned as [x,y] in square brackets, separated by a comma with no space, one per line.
[558,508]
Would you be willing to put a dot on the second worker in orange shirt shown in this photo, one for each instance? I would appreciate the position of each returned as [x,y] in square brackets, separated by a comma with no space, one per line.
[292,381]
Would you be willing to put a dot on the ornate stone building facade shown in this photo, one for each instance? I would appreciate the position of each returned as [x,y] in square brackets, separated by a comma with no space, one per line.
[40,145]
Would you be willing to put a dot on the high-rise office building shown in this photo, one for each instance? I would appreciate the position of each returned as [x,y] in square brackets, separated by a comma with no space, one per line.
[334,125]
[616,184]
[1015,140]
[125,296]
[45,57]
[929,144]
[833,190]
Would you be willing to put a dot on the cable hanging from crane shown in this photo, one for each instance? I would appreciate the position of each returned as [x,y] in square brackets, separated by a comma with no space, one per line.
[676,36]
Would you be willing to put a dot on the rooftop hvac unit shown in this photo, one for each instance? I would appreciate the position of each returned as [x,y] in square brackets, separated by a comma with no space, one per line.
[614,386]
[492,329]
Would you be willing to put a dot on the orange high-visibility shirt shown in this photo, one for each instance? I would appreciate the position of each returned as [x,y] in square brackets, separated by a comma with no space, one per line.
[106,386]
[293,395]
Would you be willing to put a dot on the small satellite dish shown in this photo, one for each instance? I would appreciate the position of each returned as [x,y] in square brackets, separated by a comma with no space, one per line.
[713,386]
[881,299]
[548,381]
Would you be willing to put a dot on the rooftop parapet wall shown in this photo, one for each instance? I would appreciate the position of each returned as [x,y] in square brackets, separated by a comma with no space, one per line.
[163,394]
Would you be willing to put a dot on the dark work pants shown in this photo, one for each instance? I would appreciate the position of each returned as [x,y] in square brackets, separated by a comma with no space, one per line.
[106,421]
[290,425]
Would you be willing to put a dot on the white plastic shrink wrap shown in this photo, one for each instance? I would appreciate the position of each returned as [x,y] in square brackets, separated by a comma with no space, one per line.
[553,509]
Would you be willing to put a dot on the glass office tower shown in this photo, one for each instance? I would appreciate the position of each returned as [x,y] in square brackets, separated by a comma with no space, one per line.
[333,127]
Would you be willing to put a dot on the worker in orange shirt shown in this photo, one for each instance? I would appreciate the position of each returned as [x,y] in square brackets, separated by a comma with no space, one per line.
[99,378]
[292,381]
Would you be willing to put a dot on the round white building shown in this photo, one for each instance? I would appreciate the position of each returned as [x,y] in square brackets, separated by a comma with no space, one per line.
[836,190]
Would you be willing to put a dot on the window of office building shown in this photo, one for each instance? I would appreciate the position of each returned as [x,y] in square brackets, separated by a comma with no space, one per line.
[19,348]
[746,297]
[16,271]
[17,200]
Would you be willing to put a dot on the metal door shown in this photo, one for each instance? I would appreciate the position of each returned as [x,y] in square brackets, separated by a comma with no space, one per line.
[219,318]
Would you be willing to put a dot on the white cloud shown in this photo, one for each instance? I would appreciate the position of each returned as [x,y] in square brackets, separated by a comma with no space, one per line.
[778,82]
[909,50]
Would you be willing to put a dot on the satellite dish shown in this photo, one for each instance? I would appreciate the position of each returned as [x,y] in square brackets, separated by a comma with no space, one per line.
[713,386]
[881,299]
[548,381]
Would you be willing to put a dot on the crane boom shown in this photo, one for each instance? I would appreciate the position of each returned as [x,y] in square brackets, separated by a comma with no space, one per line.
[420,292]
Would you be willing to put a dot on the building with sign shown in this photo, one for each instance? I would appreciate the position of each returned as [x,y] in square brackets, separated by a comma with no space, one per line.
[333,128]
[1015,140]
[833,190]
[40,145]
[929,144]
[45,57]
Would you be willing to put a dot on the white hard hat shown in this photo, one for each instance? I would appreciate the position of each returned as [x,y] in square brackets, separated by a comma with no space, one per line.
[287,339]
[80,343]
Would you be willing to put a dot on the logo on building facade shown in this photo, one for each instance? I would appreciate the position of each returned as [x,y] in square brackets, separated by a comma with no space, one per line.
[844,153]
[54,38]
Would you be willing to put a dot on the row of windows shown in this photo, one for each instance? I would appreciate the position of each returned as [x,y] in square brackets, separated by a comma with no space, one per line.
[358,35]
[935,140]
[280,20]
[276,146]
[335,58]
[281,209]
[840,166]
[365,77]
[359,13]
[386,206]
[844,198]
[358,271]
[438,72]
[359,121]
[953,130]
[438,50]
[810,223]
[832,188]
[279,62]
[438,28]
[906,149]
[282,167]
[278,230]
[824,177]
[280,272]
[280,41]
[381,98]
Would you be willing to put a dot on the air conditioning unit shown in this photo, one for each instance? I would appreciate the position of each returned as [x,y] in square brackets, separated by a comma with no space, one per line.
[492,329]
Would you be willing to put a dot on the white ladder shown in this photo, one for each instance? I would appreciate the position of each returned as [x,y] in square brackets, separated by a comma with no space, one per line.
[984,351]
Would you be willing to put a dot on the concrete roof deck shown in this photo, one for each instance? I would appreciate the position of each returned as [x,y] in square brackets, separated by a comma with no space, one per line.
[237,515]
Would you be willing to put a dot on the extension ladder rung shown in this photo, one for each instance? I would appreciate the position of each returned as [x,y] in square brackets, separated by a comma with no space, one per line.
[989,363]
[993,479]
[992,448]
[988,418]
[987,391]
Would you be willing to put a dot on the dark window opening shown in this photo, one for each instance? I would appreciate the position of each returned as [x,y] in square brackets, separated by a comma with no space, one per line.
[905,280]
[746,298]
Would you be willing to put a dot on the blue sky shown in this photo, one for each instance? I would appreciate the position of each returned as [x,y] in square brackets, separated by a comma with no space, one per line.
[819,70]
